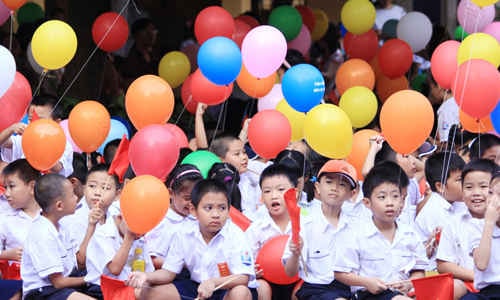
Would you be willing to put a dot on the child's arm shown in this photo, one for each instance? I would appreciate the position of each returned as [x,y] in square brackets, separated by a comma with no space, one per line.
[483,252]
[199,127]
[456,270]
[95,215]
[115,266]
[59,281]
[207,287]
[373,285]
[375,146]
[17,128]
[243,136]
[292,263]
[140,279]
[12,254]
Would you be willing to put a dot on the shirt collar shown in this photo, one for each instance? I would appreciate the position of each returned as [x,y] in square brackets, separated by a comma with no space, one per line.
[269,223]
[442,202]
[325,225]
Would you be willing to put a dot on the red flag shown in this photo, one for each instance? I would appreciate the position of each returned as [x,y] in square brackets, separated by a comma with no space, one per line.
[470,286]
[34,116]
[238,218]
[120,162]
[294,212]
[437,287]
[10,271]
[113,289]
[2,189]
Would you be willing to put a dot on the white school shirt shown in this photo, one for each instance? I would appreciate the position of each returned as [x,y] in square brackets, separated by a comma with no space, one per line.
[384,15]
[103,246]
[262,230]
[76,224]
[491,275]
[447,114]
[320,242]
[365,251]
[14,228]
[356,210]
[190,250]
[4,206]
[409,211]
[46,251]
[9,155]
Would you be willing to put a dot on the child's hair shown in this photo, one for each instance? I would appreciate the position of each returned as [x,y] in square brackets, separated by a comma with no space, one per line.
[48,189]
[299,166]
[23,169]
[110,150]
[183,152]
[480,165]
[180,174]
[51,101]
[220,144]
[459,139]
[228,175]
[482,143]
[206,186]
[386,153]
[79,167]
[384,172]
[278,170]
[439,166]
[104,168]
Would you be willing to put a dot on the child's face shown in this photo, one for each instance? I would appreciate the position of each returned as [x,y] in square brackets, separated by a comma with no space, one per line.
[212,213]
[453,188]
[18,193]
[495,186]
[69,199]
[333,189]
[493,154]
[476,186]
[385,203]
[407,163]
[181,199]
[43,111]
[273,189]
[237,156]
[100,189]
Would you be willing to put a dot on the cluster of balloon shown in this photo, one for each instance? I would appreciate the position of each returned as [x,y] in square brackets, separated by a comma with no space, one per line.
[269,125]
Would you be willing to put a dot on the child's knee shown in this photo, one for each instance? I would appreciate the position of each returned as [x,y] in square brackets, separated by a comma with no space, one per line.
[264,290]
[401,297]
[238,292]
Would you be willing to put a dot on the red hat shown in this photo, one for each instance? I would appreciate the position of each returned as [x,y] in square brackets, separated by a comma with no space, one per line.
[340,167]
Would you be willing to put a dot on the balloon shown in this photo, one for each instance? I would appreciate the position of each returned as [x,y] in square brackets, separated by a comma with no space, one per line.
[360,104]
[287,19]
[89,124]
[406,120]
[460,33]
[415,28]
[479,45]
[241,29]
[395,58]
[149,100]
[213,21]
[64,126]
[174,68]
[110,31]
[385,87]
[307,15]
[303,87]
[390,28]
[321,24]
[255,87]
[354,72]
[15,102]
[492,29]
[476,88]
[271,99]
[203,160]
[266,126]
[269,259]
[187,96]
[474,18]
[444,63]
[475,125]
[363,46]
[191,51]
[249,20]
[263,50]
[154,151]
[360,148]
[376,67]
[495,117]
[43,143]
[302,42]
[483,3]
[53,44]
[204,91]
[144,202]
[219,59]
[13,4]
[295,118]
[34,65]
[116,131]
[4,13]
[30,13]
[358,16]
[328,131]
[179,134]
[8,71]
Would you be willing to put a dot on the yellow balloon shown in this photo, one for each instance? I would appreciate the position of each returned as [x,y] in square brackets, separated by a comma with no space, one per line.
[54,44]
[358,16]
[174,67]
[321,24]
[295,118]
[479,46]
[360,104]
[483,3]
[328,131]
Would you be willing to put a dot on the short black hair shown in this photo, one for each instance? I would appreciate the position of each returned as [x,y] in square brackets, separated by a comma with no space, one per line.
[229,176]
[206,186]
[384,172]
[439,166]
[278,170]
[51,101]
[295,161]
[140,25]
[104,168]
[79,167]
[110,150]
[220,144]
[482,143]
[48,189]
[479,165]
[23,169]
[385,153]
[181,173]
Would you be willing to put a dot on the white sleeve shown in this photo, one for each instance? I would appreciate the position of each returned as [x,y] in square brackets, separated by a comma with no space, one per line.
[100,252]
[174,261]
[446,250]
[67,160]
[347,253]
[44,255]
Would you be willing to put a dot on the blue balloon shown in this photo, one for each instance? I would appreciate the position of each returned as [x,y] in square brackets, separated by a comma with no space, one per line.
[303,87]
[495,118]
[116,131]
[343,30]
[219,60]
[124,122]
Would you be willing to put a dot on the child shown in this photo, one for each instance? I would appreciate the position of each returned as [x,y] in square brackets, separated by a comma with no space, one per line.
[313,259]
[79,174]
[486,146]
[229,176]
[48,256]
[377,258]
[214,251]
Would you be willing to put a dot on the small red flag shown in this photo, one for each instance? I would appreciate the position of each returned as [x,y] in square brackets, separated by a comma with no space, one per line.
[437,287]
[238,218]
[10,271]
[470,286]
[34,116]
[120,162]
[114,289]
[294,212]
[2,189]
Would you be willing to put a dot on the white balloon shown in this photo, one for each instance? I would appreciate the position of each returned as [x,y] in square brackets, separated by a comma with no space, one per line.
[36,67]
[415,28]
[7,69]
[272,98]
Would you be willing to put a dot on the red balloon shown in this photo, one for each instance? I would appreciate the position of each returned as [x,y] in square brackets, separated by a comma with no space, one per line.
[444,63]
[153,151]
[362,46]
[395,58]
[204,91]
[213,21]
[241,28]
[269,132]
[187,96]
[14,103]
[269,259]
[180,136]
[308,18]
[477,88]
[13,4]
[249,20]
[111,31]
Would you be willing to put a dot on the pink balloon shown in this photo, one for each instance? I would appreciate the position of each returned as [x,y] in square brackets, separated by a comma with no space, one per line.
[474,18]
[493,29]
[272,98]
[263,50]
[4,13]
[14,103]
[302,42]
[64,125]
[180,136]
[444,63]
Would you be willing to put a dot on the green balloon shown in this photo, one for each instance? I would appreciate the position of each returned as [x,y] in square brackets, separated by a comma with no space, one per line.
[203,160]
[389,29]
[460,33]
[30,13]
[287,19]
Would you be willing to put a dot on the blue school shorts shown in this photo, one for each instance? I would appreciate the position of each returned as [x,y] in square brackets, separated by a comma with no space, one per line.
[313,291]
[49,293]
[491,292]
[189,289]
[9,287]
[385,295]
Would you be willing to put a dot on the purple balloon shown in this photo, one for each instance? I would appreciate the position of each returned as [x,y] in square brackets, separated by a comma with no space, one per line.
[302,42]
[272,98]
[494,30]
[474,18]
[4,13]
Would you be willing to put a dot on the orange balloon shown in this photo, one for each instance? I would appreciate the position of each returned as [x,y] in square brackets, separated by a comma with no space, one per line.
[360,147]
[43,143]
[13,4]
[144,202]
[406,120]
[354,72]
[385,86]
[89,123]
[252,86]
[476,125]
[149,100]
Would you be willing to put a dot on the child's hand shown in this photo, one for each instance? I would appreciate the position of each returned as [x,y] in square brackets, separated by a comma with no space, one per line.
[136,279]
[95,215]
[375,285]
[403,286]
[200,109]
[13,254]
[206,289]
[296,249]
[258,271]
[432,242]
[493,209]
[376,143]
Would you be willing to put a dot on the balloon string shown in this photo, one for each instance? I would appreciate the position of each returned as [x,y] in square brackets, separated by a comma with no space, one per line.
[183,109]
[40,81]
[218,121]
[11,29]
